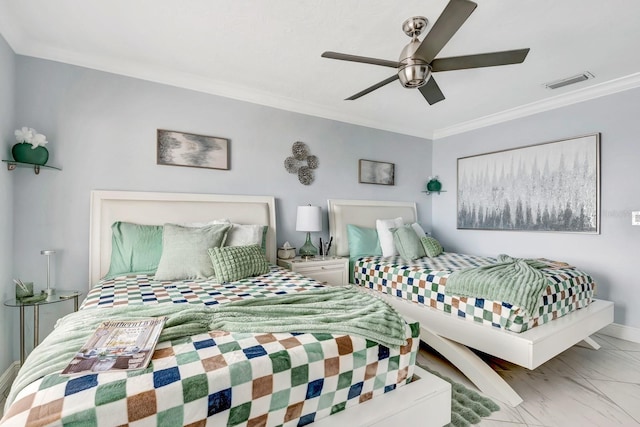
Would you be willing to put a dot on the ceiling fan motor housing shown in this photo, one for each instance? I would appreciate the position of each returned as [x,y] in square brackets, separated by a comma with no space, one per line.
[413,72]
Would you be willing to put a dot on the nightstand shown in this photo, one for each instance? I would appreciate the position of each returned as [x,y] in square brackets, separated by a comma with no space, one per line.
[58,296]
[330,271]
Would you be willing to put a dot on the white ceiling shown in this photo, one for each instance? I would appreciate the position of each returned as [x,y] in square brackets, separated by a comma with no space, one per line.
[268,52]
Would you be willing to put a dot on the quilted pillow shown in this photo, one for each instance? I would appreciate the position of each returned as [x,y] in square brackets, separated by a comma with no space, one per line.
[135,248]
[184,251]
[432,247]
[233,263]
[384,234]
[407,242]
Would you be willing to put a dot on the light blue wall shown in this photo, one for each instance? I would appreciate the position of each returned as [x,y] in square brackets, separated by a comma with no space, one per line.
[7,102]
[612,256]
[102,132]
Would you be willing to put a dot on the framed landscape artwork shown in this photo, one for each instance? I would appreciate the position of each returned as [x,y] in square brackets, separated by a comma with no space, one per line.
[374,172]
[553,186]
[188,149]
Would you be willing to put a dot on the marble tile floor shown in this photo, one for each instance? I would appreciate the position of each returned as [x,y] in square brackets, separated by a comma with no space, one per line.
[581,387]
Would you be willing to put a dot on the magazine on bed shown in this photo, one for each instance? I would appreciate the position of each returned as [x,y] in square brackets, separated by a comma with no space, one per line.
[118,345]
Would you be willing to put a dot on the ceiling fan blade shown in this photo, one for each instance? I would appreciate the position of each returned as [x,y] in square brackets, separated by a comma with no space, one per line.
[363,59]
[449,22]
[431,91]
[372,88]
[480,60]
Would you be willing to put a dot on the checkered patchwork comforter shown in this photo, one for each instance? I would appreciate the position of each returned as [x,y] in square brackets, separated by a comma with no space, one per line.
[143,289]
[220,378]
[423,281]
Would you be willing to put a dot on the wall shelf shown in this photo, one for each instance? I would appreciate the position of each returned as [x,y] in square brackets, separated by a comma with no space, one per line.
[434,186]
[12,164]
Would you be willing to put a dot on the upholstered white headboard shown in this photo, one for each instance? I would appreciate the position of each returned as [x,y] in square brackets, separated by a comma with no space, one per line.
[159,208]
[363,213]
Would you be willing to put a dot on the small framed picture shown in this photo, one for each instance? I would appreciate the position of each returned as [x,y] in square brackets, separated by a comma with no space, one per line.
[188,149]
[374,172]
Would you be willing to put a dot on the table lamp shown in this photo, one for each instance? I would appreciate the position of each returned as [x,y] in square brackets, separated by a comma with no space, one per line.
[48,254]
[309,219]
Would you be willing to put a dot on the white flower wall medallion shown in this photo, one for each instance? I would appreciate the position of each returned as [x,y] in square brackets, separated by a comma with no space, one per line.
[301,162]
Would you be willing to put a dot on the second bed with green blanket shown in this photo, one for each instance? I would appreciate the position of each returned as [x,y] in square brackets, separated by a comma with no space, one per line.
[277,349]
[505,293]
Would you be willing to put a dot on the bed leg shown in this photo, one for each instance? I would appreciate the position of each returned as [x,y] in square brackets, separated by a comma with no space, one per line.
[590,342]
[473,367]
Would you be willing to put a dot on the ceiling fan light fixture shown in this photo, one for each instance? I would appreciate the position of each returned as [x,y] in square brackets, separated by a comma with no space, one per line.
[414,75]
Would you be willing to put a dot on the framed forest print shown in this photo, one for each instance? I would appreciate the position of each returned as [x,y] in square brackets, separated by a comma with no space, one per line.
[553,186]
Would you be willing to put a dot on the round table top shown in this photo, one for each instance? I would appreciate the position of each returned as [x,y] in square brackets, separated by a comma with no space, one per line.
[58,295]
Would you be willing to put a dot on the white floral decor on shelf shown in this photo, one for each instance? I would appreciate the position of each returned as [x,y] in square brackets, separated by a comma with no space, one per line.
[30,136]
[30,148]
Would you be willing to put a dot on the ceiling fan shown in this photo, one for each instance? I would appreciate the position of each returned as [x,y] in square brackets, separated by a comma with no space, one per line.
[418,59]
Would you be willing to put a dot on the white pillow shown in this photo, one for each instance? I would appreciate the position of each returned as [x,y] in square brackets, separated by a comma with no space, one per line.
[386,237]
[419,230]
[239,234]
[242,234]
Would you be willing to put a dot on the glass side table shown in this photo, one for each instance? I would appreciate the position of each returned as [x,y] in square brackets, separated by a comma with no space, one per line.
[59,295]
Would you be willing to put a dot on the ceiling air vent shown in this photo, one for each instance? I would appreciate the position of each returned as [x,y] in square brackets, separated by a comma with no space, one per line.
[569,80]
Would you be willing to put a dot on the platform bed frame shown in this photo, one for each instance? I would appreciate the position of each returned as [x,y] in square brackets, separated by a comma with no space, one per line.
[426,401]
[453,337]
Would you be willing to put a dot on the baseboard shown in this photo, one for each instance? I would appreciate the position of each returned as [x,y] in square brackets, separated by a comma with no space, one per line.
[6,379]
[623,332]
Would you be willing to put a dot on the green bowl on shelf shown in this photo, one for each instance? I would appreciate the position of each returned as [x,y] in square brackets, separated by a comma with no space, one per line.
[25,153]
[434,185]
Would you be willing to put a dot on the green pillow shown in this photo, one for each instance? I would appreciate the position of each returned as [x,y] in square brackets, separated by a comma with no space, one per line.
[407,242]
[184,251]
[135,249]
[432,247]
[362,241]
[233,263]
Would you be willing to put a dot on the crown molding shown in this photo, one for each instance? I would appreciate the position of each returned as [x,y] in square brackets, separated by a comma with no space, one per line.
[596,91]
[20,46]
[152,73]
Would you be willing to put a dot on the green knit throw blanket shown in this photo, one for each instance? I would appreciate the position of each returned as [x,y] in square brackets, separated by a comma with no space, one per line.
[516,281]
[337,310]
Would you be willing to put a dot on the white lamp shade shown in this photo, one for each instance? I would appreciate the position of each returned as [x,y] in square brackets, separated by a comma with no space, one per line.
[309,218]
